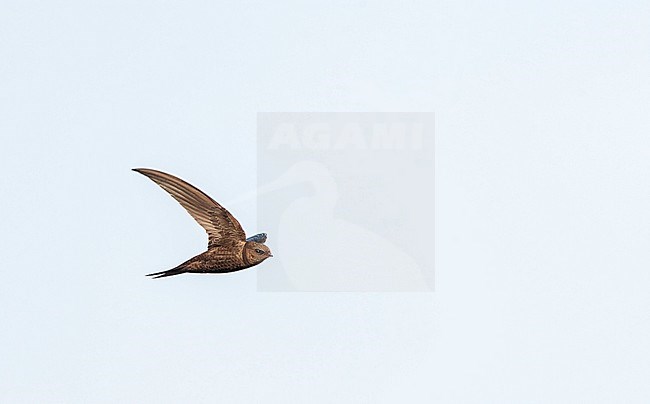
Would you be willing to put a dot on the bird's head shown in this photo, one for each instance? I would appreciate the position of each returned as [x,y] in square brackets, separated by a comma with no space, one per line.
[256,252]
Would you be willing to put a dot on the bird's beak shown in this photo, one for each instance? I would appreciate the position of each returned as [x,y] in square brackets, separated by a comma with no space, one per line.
[270,255]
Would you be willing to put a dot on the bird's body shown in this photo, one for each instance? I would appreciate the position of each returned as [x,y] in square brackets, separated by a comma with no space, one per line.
[228,248]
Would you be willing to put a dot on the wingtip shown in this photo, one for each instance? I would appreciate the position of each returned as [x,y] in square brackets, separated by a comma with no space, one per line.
[148,171]
[143,171]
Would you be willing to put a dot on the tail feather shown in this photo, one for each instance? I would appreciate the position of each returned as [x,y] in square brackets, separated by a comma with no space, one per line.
[169,272]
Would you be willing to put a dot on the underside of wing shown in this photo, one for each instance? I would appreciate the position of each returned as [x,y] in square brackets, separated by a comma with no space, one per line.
[222,227]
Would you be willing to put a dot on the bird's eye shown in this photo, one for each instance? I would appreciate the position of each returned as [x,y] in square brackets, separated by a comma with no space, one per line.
[257,250]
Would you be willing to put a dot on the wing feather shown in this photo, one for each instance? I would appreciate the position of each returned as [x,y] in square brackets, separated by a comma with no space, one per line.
[222,227]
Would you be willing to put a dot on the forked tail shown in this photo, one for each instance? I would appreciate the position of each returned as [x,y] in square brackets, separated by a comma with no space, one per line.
[169,272]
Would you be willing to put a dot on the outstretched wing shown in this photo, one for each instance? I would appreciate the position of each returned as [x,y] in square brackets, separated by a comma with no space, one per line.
[222,227]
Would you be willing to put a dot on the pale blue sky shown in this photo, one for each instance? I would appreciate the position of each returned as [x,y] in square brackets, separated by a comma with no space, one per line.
[542,192]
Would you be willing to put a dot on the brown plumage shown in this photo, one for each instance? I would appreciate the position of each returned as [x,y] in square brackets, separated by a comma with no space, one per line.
[228,248]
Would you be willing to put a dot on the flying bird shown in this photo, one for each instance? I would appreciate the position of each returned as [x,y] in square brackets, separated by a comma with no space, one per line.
[228,248]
